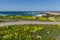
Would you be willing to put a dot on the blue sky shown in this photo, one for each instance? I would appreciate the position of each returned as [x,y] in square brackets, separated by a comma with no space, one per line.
[29,5]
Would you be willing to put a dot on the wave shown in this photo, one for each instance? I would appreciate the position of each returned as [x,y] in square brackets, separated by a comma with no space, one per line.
[38,15]
[3,14]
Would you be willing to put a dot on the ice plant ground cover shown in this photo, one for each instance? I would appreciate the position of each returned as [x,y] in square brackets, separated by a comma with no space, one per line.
[30,32]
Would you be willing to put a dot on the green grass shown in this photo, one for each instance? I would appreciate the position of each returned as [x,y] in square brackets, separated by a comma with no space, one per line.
[30,32]
[2,21]
[30,18]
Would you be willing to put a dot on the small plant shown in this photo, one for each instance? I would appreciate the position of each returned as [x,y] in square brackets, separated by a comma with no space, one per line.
[29,32]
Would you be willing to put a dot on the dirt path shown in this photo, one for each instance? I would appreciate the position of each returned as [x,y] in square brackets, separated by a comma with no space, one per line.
[26,22]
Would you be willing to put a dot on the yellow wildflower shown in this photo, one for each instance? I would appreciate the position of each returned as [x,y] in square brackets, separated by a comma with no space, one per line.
[11,17]
[16,34]
[39,28]
[26,28]
[35,29]
[6,36]
[51,19]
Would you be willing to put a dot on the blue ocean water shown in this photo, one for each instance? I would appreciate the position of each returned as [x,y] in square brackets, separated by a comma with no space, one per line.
[22,13]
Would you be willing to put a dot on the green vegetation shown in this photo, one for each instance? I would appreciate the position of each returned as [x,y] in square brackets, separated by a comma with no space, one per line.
[2,21]
[30,32]
[30,18]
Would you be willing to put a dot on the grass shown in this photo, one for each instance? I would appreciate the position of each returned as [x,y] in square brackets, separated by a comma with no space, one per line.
[30,32]
[28,18]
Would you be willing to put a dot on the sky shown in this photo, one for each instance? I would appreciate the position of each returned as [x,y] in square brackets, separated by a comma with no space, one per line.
[29,5]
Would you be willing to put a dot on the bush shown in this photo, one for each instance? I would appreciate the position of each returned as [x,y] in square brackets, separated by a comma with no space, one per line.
[29,32]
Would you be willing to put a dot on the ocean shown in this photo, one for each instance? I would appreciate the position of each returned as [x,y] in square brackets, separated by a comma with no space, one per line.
[20,13]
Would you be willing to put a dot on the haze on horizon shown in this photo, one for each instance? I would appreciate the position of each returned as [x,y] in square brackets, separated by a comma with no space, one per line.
[29,5]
